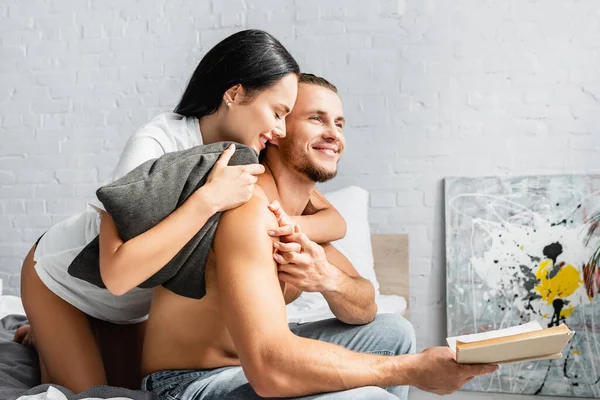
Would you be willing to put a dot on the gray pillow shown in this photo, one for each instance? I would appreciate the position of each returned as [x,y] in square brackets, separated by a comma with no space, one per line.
[147,195]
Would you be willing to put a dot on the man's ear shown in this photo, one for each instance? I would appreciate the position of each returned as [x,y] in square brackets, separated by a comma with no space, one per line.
[235,94]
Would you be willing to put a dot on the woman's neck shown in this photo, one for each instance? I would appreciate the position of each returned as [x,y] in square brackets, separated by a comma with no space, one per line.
[209,128]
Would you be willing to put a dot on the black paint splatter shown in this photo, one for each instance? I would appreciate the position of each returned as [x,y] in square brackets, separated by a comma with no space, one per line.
[558,305]
[544,381]
[552,251]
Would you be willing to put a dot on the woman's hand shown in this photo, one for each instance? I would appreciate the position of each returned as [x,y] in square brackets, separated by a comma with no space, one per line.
[227,186]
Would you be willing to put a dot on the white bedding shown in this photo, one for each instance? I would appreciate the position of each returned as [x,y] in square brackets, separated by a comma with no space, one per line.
[10,305]
[55,394]
[313,307]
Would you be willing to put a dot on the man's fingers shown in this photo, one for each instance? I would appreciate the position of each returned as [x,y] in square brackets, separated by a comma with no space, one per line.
[282,231]
[482,369]
[489,368]
[288,269]
[301,238]
[288,247]
[287,278]
[279,259]
[224,158]
[292,235]
[291,257]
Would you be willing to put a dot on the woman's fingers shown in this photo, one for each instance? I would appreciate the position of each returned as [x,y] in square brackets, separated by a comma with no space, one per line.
[224,158]
[280,214]
[253,169]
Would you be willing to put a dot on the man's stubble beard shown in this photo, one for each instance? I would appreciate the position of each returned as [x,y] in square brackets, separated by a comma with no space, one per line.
[301,163]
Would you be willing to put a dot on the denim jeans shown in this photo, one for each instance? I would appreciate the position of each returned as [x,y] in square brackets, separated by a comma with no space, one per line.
[388,334]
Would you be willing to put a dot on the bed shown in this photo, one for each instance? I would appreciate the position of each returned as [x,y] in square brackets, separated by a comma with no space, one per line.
[390,253]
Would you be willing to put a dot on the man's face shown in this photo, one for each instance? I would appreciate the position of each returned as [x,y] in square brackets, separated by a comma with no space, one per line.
[315,139]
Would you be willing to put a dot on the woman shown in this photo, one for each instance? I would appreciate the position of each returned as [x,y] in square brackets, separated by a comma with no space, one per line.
[241,91]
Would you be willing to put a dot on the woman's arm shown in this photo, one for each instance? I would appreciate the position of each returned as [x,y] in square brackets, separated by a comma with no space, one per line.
[320,221]
[125,265]
[137,151]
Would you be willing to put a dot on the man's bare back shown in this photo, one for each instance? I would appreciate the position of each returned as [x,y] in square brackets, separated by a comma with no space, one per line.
[185,333]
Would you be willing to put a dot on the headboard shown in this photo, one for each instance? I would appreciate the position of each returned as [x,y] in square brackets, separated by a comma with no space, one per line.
[390,253]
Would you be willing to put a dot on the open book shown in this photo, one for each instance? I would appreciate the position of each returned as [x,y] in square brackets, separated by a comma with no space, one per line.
[528,342]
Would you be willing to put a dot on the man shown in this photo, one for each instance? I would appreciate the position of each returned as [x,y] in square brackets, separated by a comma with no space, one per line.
[235,343]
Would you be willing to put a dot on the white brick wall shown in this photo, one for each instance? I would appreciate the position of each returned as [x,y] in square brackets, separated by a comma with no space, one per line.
[431,89]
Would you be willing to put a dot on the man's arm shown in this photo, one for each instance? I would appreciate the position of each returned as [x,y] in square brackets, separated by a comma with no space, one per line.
[352,297]
[276,362]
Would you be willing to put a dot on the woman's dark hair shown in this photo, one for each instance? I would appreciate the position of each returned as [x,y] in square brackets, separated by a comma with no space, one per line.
[252,58]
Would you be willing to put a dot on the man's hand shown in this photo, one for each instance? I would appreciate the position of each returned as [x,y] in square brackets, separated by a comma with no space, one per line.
[302,262]
[436,371]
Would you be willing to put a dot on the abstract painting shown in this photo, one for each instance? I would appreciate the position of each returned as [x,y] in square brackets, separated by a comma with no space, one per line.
[518,250]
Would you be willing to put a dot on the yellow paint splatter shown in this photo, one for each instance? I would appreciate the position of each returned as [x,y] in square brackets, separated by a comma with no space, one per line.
[561,285]
[566,312]
[575,351]
[522,247]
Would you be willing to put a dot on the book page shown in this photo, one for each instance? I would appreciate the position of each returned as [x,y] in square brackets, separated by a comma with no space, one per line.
[514,330]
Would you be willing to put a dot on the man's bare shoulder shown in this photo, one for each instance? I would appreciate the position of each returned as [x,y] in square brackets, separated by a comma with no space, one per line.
[251,218]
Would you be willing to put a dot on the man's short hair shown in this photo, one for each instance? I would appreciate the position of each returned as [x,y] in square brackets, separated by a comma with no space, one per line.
[317,80]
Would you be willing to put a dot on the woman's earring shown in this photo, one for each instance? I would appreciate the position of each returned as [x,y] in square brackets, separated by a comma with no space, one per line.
[228,104]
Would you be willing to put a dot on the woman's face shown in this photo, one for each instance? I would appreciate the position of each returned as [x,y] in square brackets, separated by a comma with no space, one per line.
[261,119]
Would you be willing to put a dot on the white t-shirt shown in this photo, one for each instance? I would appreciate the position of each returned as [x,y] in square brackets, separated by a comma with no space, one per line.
[58,247]
[166,133]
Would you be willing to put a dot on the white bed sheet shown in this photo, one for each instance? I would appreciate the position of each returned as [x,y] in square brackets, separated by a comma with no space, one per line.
[10,305]
[310,307]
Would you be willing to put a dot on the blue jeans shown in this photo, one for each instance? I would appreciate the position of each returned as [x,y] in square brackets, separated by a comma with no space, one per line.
[388,334]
